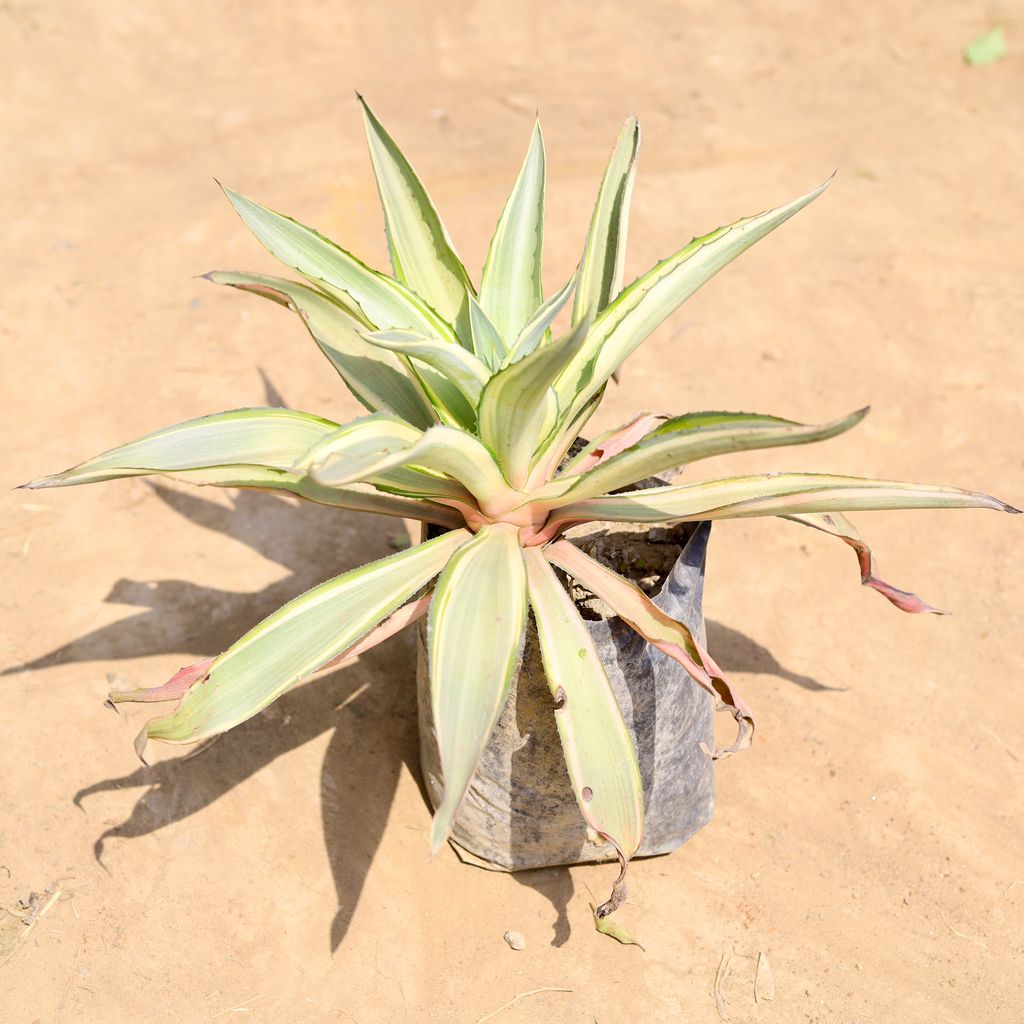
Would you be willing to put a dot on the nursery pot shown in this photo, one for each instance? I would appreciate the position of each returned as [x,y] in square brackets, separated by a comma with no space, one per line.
[520,811]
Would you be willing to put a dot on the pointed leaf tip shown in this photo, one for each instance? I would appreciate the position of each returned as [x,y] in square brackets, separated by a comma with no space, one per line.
[603,261]
[140,744]
[652,297]
[422,254]
[510,286]
[438,833]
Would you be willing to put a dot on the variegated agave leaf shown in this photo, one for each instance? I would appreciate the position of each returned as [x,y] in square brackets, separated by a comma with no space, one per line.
[600,274]
[422,254]
[475,638]
[474,409]
[510,285]
[378,379]
[629,320]
[298,639]
[677,443]
[599,751]
[768,494]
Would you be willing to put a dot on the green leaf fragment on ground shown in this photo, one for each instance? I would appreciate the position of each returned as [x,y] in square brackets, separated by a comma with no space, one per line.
[606,926]
[986,49]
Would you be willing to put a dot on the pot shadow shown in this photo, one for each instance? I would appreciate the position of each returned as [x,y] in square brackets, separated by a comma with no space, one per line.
[182,616]
[370,706]
[556,886]
[370,709]
[737,652]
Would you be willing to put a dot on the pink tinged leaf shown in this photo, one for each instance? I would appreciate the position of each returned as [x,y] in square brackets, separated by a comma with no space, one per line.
[184,678]
[405,616]
[616,441]
[173,689]
[728,699]
[661,631]
[837,525]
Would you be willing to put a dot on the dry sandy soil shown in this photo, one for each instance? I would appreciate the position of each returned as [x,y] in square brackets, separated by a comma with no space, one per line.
[869,845]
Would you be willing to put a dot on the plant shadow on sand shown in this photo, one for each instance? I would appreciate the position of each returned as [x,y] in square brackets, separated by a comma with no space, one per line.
[370,706]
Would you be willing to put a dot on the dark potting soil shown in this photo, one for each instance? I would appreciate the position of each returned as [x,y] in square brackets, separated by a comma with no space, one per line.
[642,554]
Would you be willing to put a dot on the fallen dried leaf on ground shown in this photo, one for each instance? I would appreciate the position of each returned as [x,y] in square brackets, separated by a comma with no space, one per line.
[764,980]
[722,975]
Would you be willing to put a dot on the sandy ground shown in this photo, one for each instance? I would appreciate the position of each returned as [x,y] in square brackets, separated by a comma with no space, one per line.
[869,845]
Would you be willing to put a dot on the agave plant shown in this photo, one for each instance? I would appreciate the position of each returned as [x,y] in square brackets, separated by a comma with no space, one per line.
[474,411]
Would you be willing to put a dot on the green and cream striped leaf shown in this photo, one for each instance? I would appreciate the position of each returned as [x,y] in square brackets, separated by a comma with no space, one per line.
[556,449]
[487,341]
[358,449]
[299,638]
[458,366]
[510,286]
[604,254]
[352,455]
[378,379]
[538,328]
[638,310]
[273,438]
[412,482]
[260,449]
[687,439]
[422,254]
[769,494]
[519,409]
[377,450]
[419,501]
[599,751]
[381,301]
[476,627]
[418,495]
[447,401]
[463,458]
